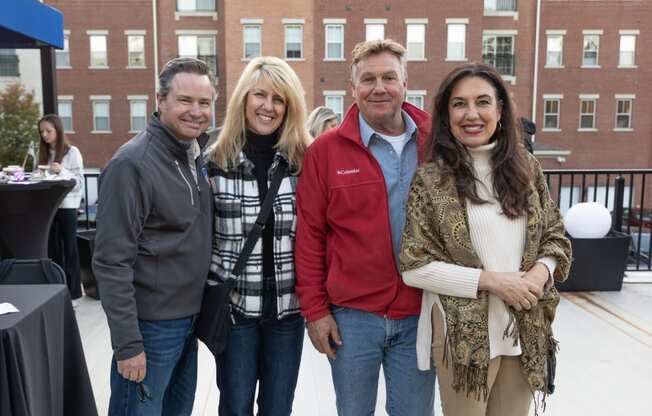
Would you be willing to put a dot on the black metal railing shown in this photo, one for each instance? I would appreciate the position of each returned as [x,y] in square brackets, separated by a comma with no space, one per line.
[623,191]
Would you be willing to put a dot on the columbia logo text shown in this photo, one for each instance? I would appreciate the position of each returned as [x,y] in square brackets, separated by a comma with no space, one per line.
[348,171]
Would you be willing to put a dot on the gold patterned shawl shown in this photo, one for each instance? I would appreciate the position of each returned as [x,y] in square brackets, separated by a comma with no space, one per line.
[437,230]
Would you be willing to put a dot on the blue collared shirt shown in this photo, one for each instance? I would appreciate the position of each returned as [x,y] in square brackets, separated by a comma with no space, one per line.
[397,170]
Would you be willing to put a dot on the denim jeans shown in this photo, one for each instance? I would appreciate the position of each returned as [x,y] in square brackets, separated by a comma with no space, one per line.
[264,350]
[369,341]
[171,378]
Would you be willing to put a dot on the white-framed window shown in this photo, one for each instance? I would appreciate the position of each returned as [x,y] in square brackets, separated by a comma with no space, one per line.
[137,112]
[591,49]
[101,113]
[416,98]
[416,41]
[135,49]
[99,53]
[63,55]
[334,37]
[294,41]
[551,111]
[252,41]
[64,109]
[374,29]
[500,5]
[627,57]
[588,105]
[624,104]
[200,45]
[335,101]
[498,50]
[555,48]
[196,5]
[456,39]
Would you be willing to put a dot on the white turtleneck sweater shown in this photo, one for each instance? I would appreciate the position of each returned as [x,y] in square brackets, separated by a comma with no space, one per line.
[499,243]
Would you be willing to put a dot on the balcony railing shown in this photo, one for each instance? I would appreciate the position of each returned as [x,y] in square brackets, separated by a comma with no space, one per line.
[567,188]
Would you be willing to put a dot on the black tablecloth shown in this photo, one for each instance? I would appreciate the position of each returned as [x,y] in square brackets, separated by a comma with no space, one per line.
[26,213]
[42,366]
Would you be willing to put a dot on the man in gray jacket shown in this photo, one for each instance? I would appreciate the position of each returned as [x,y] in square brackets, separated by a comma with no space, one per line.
[153,246]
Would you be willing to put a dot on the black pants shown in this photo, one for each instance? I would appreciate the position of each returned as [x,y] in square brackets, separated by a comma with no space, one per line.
[62,248]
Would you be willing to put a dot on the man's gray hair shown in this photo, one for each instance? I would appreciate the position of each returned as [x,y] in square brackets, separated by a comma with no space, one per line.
[178,65]
[374,47]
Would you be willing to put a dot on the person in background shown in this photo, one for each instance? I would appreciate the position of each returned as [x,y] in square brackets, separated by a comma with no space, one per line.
[153,246]
[484,240]
[264,127]
[65,161]
[320,120]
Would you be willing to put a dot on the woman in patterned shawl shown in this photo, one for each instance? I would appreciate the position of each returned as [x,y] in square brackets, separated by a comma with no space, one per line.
[485,242]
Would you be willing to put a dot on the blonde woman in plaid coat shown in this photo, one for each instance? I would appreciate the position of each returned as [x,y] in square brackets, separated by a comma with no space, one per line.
[264,127]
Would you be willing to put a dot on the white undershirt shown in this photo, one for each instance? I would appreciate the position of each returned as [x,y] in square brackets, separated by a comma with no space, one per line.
[397,142]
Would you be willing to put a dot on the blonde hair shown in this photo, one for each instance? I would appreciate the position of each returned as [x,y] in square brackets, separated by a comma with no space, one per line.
[294,138]
[363,50]
[317,120]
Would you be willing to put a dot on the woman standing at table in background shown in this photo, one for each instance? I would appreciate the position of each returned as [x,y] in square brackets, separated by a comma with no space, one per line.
[484,240]
[265,126]
[66,162]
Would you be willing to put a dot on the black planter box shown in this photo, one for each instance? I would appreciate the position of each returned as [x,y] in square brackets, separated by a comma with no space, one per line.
[598,263]
[86,246]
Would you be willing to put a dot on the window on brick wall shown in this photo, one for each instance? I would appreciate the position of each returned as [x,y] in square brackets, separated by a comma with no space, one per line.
[252,41]
[416,99]
[416,42]
[334,41]
[624,112]
[99,55]
[293,41]
[64,108]
[551,113]
[500,5]
[456,44]
[136,50]
[374,31]
[101,115]
[196,5]
[498,50]
[137,114]
[200,47]
[63,55]
[591,50]
[335,103]
[627,57]
[587,113]
[555,51]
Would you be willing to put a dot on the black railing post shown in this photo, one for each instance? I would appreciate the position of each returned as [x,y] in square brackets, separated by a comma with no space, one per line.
[619,196]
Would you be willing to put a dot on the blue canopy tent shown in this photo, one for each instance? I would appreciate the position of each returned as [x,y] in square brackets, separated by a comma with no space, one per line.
[30,24]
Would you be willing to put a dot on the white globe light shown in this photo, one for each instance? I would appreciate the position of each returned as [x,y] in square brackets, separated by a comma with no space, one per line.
[587,220]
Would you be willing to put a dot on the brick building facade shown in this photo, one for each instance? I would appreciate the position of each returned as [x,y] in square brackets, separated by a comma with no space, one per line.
[585,84]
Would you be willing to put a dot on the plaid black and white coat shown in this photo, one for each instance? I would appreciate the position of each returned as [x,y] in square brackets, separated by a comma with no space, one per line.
[237,203]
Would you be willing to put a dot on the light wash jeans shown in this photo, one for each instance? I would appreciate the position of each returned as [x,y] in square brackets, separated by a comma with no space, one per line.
[369,341]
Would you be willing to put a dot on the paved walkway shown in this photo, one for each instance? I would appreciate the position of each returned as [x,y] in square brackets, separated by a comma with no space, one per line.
[604,363]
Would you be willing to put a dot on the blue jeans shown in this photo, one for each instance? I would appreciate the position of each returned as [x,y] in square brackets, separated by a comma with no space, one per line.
[264,350]
[369,341]
[171,378]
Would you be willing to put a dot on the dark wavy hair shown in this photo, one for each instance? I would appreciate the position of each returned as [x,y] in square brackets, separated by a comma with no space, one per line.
[511,173]
[61,146]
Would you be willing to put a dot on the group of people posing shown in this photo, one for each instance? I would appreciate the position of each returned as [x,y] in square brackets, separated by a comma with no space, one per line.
[418,244]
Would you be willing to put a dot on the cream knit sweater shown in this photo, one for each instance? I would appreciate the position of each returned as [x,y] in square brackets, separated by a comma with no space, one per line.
[499,243]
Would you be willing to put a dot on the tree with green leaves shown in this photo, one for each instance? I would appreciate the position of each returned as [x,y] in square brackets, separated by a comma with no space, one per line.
[18,117]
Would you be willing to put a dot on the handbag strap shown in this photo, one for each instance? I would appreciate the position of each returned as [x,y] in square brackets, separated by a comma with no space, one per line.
[265,209]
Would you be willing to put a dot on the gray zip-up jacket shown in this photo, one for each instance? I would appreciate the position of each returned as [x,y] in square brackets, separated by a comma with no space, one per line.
[153,239]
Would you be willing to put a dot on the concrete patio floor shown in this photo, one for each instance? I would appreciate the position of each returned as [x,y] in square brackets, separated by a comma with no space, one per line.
[604,364]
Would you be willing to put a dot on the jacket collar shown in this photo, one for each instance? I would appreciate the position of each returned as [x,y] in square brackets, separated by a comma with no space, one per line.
[169,140]
[350,127]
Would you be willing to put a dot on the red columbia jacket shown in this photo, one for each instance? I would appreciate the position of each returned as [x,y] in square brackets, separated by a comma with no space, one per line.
[343,249]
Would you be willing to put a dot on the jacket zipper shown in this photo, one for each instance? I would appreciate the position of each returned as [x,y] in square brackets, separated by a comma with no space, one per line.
[192,198]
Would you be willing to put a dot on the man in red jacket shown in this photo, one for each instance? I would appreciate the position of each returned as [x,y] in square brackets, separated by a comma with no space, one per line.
[351,211]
